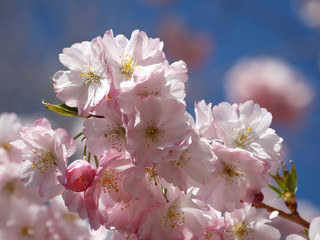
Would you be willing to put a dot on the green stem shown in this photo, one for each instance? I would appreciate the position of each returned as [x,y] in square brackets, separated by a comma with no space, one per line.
[85,151]
[89,157]
[96,160]
[79,135]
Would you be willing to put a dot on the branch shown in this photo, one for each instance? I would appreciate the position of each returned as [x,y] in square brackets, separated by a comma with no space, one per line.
[293,217]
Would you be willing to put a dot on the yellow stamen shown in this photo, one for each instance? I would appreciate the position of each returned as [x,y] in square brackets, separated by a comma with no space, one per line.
[43,160]
[242,137]
[89,75]
[109,180]
[115,135]
[152,133]
[152,176]
[128,65]
[173,217]
[232,173]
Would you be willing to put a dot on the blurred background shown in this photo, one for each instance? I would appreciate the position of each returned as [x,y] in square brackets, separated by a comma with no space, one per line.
[235,50]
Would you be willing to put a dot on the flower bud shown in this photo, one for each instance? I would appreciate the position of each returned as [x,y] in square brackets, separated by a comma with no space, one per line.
[258,198]
[79,175]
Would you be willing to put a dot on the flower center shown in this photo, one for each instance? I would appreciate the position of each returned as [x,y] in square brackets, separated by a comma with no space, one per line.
[89,75]
[152,133]
[183,159]
[109,180]
[115,135]
[128,64]
[43,160]
[229,170]
[242,137]
[241,230]
[154,91]
[152,176]
[207,235]
[232,173]
[172,218]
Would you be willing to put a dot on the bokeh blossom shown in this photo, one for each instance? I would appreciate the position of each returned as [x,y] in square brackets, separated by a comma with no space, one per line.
[271,83]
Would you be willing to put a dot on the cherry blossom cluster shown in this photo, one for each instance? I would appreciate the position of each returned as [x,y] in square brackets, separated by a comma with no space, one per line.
[24,214]
[150,170]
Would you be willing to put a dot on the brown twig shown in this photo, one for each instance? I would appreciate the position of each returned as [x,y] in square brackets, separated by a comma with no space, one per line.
[293,217]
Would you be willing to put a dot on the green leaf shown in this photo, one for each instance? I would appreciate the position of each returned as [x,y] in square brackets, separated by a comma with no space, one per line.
[292,180]
[305,232]
[62,109]
[280,181]
[277,190]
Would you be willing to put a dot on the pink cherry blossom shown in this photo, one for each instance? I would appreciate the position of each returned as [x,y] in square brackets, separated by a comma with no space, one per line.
[10,126]
[125,56]
[86,83]
[177,219]
[246,126]
[205,125]
[106,189]
[26,221]
[125,217]
[249,223]
[12,186]
[145,185]
[74,201]
[106,133]
[162,83]
[237,178]
[177,70]
[188,165]
[68,225]
[45,153]
[273,84]
[156,127]
[79,175]
[215,226]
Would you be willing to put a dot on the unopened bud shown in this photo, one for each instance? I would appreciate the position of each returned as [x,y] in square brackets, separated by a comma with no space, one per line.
[258,198]
[79,175]
[290,201]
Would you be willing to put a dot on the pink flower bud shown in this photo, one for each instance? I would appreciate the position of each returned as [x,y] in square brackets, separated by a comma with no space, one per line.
[79,175]
[258,198]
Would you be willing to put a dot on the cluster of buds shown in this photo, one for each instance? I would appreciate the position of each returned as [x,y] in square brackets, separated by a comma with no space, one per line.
[288,186]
